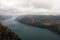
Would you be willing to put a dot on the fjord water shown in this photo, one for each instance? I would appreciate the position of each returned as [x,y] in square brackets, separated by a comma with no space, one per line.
[27,32]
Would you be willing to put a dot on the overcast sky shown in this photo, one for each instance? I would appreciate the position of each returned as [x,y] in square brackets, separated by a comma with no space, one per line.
[19,7]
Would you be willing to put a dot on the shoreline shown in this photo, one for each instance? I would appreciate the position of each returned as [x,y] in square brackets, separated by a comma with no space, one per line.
[52,28]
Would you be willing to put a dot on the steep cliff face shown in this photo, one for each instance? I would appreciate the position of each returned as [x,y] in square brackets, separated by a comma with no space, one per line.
[51,23]
[7,34]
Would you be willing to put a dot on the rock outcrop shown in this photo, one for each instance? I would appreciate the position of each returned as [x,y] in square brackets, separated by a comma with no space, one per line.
[7,34]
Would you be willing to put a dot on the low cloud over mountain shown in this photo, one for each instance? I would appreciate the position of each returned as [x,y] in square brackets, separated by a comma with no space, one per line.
[23,7]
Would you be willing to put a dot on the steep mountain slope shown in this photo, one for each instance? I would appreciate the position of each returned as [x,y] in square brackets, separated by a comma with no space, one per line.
[49,22]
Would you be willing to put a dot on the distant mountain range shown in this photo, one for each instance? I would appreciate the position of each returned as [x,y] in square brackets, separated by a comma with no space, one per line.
[39,17]
[3,17]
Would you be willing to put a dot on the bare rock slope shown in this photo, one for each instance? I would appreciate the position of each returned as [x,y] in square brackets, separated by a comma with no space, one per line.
[7,34]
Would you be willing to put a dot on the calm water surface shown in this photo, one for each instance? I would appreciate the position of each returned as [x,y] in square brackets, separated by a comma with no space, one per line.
[27,32]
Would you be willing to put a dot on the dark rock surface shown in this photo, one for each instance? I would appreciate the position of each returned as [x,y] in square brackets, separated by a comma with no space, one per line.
[7,34]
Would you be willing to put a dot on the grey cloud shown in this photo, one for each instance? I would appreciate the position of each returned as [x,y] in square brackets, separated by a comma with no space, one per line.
[42,5]
[26,6]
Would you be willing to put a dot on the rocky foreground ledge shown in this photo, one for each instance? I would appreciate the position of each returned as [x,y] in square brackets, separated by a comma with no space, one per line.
[7,34]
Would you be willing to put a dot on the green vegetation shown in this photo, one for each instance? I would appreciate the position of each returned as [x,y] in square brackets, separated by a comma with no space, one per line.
[45,20]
